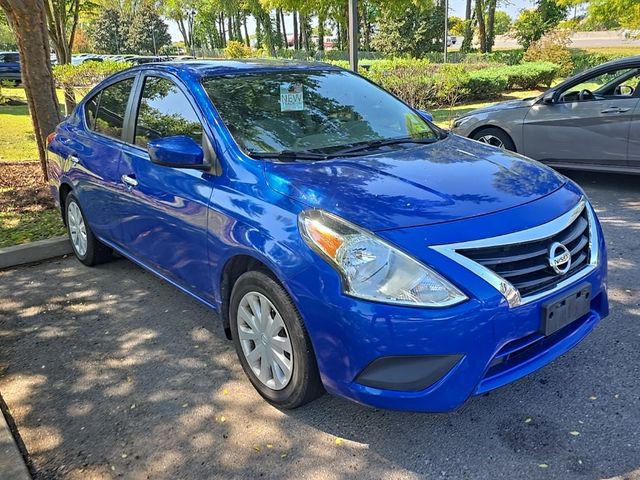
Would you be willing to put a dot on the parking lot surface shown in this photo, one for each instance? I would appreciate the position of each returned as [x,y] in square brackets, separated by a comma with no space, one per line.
[109,372]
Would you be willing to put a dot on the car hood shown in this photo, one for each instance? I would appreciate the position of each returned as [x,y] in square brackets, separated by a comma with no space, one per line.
[452,179]
[508,105]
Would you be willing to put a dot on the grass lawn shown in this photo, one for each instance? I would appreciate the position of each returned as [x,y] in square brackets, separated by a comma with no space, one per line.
[21,227]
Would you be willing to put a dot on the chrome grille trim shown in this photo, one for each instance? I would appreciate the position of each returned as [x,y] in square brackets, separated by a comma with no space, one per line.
[549,229]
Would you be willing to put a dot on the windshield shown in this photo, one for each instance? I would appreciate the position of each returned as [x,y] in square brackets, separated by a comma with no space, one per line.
[319,111]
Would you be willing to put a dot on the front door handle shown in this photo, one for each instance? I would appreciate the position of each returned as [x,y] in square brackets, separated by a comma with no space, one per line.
[615,110]
[129,181]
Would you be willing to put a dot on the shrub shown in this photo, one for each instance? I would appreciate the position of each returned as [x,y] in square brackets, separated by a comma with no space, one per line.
[583,59]
[487,83]
[237,49]
[552,47]
[85,75]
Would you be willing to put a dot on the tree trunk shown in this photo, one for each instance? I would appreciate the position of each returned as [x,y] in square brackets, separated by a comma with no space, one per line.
[284,31]
[28,21]
[491,31]
[246,31]
[482,31]
[467,41]
[295,30]
[230,27]
[321,20]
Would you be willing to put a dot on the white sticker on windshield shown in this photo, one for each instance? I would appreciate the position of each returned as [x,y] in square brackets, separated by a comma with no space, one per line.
[291,97]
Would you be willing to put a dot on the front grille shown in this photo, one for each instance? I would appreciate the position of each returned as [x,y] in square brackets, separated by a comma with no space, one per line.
[526,265]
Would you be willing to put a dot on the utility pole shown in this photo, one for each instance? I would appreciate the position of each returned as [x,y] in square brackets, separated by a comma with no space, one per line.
[446,28]
[353,34]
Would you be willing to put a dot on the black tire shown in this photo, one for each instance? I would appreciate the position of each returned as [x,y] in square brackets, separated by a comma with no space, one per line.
[501,135]
[305,384]
[96,251]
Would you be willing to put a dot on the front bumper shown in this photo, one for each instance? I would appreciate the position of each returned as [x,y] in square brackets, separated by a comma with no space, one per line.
[492,343]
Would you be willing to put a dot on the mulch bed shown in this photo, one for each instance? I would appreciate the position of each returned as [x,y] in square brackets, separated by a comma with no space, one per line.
[22,188]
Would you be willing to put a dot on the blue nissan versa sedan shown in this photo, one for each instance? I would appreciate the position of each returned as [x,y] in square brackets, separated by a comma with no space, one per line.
[347,243]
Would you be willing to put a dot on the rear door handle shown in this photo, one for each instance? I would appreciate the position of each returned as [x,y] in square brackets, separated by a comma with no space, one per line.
[129,181]
[74,160]
[615,110]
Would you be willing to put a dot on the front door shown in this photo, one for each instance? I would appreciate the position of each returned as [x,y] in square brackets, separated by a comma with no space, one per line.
[164,221]
[587,124]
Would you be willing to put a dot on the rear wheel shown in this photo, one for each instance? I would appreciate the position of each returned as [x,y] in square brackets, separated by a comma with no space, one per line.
[87,248]
[495,137]
[272,343]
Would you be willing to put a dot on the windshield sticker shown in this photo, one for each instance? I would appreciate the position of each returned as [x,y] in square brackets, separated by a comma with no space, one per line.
[291,97]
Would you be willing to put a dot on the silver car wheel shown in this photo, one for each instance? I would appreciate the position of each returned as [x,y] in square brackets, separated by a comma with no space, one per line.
[491,140]
[265,341]
[77,229]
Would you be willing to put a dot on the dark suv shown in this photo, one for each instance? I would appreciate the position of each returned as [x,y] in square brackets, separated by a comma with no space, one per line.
[10,66]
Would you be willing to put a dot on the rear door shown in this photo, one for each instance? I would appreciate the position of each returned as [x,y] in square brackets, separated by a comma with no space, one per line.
[634,135]
[93,153]
[587,125]
[164,221]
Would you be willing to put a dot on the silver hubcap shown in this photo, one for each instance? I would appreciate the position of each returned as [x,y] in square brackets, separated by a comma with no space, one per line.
[77,229]
[265,341]
[491,140]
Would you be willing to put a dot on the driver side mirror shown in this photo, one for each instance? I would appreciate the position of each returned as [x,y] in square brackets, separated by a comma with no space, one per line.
[179,151]
[549,97]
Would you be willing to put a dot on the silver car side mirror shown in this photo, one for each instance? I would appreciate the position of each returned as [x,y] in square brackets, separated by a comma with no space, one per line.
[549,98]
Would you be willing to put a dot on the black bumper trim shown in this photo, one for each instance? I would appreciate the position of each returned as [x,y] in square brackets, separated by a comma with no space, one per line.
[407,373]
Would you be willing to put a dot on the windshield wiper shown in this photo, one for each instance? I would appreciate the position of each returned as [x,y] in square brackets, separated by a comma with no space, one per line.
[373,144]
[289,155]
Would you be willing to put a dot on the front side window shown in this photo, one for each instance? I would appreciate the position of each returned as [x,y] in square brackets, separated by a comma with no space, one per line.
[165,112]
[622,82]
[111,110]
[320,111]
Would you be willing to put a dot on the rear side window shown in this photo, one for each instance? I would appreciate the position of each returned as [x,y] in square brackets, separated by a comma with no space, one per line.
[111,109]
[165,112]
[10,58]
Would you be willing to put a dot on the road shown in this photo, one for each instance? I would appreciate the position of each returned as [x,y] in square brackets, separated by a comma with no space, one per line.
[111,373]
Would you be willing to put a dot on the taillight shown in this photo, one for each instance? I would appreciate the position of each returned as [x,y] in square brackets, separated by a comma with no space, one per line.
[50,138]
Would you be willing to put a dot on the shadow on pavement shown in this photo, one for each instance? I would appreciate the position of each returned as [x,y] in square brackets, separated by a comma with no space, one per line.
[111,373]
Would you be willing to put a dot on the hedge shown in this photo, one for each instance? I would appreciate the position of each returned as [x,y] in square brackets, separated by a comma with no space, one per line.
[428,85]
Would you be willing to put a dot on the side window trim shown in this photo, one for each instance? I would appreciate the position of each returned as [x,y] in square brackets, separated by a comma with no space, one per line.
[585,78]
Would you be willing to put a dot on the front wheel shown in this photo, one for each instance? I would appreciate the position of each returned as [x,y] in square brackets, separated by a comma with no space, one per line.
[87,248]
[495,137]
[272,343]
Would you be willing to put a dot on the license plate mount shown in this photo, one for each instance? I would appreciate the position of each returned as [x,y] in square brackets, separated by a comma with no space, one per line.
[559,313]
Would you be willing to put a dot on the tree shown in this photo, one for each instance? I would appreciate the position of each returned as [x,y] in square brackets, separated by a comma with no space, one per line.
[412,29]
[29,23]
[626,13]
[456,26]
[109,31]
[531,25]
[148,33]
[503,22]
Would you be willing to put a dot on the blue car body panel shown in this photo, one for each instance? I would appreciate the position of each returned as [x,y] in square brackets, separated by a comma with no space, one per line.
[185,225]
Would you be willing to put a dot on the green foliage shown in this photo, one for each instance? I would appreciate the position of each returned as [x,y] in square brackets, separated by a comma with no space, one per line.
[552,47]
[503,22]
[236,49]
[85,75]
[148,33]
[109,31]
[531,25]
[626,13]
[410,31]
[583,59]
[7,38]
[426,85]
[456,26]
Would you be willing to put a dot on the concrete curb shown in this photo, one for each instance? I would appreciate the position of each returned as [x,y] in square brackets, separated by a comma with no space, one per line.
[12,466]
[34,252]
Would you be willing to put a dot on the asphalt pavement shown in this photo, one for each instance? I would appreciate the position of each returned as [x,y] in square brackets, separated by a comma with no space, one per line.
[110,373]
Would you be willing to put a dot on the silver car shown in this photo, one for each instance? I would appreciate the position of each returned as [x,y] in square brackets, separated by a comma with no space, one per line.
[588,122]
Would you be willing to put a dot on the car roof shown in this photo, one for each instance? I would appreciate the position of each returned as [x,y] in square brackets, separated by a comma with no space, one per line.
[204,68]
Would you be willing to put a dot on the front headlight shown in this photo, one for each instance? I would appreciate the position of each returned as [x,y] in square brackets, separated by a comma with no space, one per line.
[371,268]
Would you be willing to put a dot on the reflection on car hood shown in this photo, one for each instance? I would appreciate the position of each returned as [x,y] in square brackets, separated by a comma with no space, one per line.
[519,103]
[451,179]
